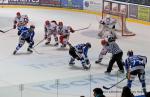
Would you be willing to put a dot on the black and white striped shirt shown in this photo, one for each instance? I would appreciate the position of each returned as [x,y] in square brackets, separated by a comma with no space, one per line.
[113,48]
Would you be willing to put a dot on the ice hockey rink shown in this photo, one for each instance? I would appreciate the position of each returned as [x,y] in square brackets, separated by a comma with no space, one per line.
[46,73]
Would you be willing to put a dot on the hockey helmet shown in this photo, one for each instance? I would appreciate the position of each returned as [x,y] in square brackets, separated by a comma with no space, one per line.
[25,16]
[32,26]
[103,42]
[130,53]
[107,16]
[53,21]
[60,24]
[111,38]
[18,14]
[88,45]
[47,22]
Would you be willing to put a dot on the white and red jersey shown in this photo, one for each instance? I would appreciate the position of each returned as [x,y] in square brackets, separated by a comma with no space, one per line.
[109,22]
[18,19]
[64,30]
[26,19]
[51,28]
[21,21]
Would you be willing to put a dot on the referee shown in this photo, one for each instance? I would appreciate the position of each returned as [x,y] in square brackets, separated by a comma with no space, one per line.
[117,54]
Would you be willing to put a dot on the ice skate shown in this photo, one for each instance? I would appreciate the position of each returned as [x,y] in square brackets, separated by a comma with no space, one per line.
[47,43]
[71,62]
[107,72]
[63,46]
[29,50]
[14,53]
[56,44]
[86,66]
[98,61]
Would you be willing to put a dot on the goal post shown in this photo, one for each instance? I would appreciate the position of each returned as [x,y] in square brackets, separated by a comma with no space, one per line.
[119,11]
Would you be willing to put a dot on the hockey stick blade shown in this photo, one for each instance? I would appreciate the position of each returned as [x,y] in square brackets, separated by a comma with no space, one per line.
[2,31]
[107,88]
[83,28]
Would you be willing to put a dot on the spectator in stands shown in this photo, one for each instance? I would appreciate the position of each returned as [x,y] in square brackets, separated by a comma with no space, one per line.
[98,92]
[141,2]
[122,0]
[126,92]
[147,2]
[148,94]
[134,1]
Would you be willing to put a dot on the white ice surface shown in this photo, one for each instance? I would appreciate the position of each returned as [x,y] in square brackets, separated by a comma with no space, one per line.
[52,63]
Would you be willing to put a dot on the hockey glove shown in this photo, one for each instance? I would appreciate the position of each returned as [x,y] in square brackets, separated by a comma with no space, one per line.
[14,27]
[19,32]
[71,30]
[65,36]
[87,61]
[102,22]
[128,75]
[45,37]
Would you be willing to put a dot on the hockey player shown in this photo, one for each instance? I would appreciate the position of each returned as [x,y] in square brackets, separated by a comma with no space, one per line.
[50,29]
[107,24]
[17,19]
[104,43]
[135,65]
[103,52]
[64,32]
[27,35]
[79,52]
[113,48]
[20,21]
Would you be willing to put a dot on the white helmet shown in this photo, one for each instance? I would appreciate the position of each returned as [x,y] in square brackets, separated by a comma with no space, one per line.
[107,16]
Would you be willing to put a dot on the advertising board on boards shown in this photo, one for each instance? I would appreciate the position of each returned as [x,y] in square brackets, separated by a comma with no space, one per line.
[23,2]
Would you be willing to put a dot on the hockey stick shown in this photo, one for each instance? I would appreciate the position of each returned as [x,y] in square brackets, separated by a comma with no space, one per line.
[83,28]
[8,30]
[36,51]
[38,43]
[69,44]
[107,88]
[2,31]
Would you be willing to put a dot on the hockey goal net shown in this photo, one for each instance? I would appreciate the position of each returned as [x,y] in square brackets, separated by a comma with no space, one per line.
[119,11]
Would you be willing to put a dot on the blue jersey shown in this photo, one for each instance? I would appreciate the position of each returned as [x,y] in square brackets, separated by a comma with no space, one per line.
[135,62]
[21,27]
[82,48]
[27,34]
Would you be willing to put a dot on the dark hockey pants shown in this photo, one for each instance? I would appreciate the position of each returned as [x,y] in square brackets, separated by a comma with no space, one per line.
[141,76]
[72,53]
[116,58]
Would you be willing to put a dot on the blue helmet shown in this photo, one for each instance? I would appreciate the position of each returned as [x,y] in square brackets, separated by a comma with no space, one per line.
[32,26]
[130,53]
[88,45]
